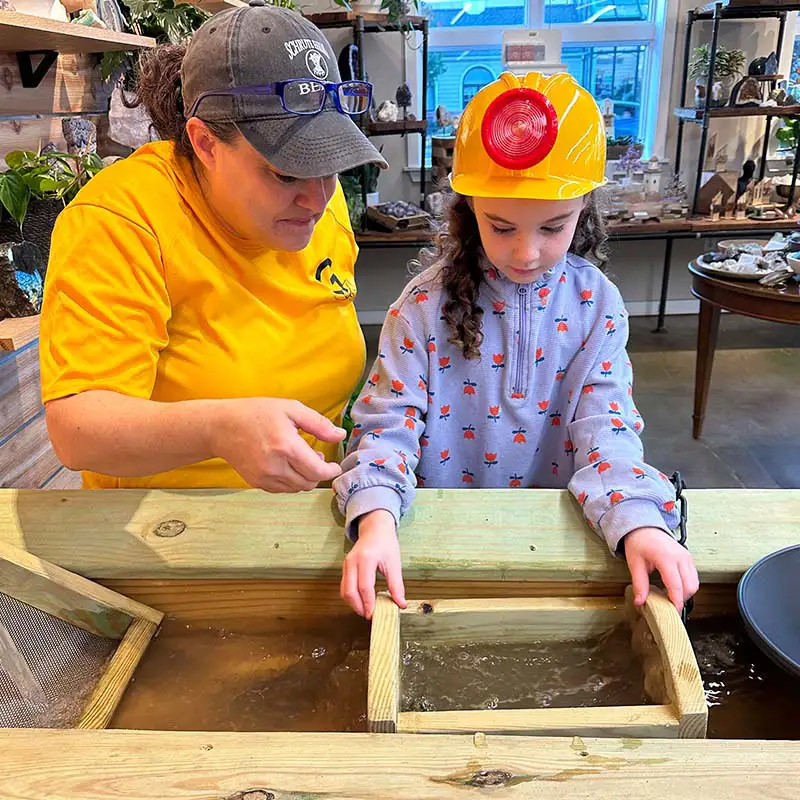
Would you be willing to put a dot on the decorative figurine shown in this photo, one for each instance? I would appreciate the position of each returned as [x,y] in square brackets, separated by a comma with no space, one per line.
[758,66]
[747,92]
[443,117]
[699,95]
[745,179]
[716,207]
[80,135]
[403,97]
[349,67]
[771,64]
[387,111]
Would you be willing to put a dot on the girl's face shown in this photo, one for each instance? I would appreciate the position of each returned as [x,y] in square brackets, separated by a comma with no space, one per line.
[525,238]
[253,200]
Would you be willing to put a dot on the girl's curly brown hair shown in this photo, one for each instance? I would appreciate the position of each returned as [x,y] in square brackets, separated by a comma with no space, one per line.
[458,253]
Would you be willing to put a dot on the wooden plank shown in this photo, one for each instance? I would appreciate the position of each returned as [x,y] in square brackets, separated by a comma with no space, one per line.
[20,388]
[383,696]
[509,620]
[645,722]
[487,535]
[133,765]
[16,332]
[67,596]
[21,32]
[275,605]
[111,686]
[27,459]
[63,479]
[681,673]
[31,134]
[217,6]
[74,84]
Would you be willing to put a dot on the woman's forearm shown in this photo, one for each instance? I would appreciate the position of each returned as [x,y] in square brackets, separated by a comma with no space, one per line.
[123,436]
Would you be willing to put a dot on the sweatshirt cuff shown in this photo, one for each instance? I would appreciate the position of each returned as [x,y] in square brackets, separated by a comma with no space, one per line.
[369,499]
[627,516]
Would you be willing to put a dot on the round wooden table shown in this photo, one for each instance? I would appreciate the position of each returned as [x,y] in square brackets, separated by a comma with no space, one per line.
[749,298]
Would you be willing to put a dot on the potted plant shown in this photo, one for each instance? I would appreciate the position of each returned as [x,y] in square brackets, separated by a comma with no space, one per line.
[395,9]
[35,189]
[728,65]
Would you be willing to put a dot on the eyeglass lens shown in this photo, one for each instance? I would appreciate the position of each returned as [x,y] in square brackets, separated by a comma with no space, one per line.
[308,97]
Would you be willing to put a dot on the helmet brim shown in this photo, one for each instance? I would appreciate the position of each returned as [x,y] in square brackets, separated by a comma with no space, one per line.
[554,187]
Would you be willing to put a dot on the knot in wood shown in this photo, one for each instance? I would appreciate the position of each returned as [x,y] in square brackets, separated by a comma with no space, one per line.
[252,794]
[489,777]
[170,528]
[427,608]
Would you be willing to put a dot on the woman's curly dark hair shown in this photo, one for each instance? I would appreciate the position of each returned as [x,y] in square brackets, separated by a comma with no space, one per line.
[458,253]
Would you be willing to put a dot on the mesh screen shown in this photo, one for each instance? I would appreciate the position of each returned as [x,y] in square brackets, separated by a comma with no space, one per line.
[63,662]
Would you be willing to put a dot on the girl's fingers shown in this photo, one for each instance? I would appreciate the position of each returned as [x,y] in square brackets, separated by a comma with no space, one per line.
[349,587]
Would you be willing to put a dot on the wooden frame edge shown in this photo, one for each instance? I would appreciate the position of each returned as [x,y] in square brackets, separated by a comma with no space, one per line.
[112,684]
[103,612]
[383,686]
[640,722]
[682,680]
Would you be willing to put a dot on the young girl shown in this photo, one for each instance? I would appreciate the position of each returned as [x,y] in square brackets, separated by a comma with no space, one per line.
[504,363]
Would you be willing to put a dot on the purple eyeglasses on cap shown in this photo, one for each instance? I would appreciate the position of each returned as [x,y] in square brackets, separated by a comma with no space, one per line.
[303,96]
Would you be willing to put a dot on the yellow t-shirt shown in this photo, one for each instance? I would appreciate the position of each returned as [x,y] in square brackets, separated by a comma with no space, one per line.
[147,295]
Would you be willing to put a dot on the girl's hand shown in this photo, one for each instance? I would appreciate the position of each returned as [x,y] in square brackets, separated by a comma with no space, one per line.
[377,550]
[260,438]
[648,549]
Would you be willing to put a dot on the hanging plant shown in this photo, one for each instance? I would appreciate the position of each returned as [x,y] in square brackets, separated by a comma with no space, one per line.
[165,21]
[395,9]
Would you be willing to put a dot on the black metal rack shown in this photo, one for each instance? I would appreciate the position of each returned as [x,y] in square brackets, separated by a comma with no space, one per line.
[377,23]
[718,12]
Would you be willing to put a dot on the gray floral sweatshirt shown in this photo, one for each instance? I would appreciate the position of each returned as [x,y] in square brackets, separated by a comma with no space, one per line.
[548,404]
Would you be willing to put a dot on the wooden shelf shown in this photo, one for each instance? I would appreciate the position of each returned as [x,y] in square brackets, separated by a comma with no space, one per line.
[397,128]
[20,33]
[698,114]
[343,19]
[16,332]
[217,6]
[408,238]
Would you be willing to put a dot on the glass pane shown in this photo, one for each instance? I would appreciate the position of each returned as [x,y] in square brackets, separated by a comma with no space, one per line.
[614,71]
[473,13]
[794,75]
[456,74]
[563,12]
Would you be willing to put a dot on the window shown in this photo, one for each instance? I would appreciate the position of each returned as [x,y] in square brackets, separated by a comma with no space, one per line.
[613,49]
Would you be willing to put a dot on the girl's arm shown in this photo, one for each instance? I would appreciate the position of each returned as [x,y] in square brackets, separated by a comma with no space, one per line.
[631,504]
[388,417]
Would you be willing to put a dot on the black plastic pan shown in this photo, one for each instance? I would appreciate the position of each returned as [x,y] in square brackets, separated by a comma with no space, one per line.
[769,602]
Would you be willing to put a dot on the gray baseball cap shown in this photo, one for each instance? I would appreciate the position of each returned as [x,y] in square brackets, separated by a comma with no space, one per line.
[261,44]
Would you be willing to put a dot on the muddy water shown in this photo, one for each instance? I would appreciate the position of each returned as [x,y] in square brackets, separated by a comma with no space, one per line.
[600,671]
[749,697]
[315,679]
[234,679]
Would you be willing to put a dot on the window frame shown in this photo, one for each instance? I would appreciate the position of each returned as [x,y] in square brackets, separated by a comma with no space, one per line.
[657,31]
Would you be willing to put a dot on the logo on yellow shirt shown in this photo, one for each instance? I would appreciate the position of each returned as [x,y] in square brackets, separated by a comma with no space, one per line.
[341,288]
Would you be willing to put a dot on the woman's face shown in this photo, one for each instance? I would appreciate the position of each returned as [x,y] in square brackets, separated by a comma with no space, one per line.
[524,238]
[253,200]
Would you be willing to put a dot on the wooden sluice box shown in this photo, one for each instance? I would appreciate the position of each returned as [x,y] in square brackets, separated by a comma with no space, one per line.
[657,638]
[256,684]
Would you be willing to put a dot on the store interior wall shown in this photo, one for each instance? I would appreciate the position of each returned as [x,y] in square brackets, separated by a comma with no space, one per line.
[635,266]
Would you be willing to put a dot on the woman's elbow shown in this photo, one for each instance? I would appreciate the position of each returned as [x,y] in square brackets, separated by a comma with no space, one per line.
[64,432]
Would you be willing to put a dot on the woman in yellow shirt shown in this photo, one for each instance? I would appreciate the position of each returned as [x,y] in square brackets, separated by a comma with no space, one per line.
[198,327]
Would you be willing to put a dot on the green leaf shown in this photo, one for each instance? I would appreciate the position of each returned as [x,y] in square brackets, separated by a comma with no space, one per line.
[14,196]
[17,158]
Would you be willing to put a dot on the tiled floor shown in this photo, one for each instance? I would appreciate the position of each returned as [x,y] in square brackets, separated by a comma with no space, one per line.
[752,428]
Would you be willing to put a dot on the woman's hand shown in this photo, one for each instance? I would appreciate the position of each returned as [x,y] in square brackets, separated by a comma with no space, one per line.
[648,549]
[260,438]
[377,550]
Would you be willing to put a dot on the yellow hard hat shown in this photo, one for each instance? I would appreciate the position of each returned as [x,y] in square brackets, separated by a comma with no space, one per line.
[537,137]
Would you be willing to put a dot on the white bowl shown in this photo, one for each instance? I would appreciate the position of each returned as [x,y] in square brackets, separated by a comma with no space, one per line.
[793,260]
